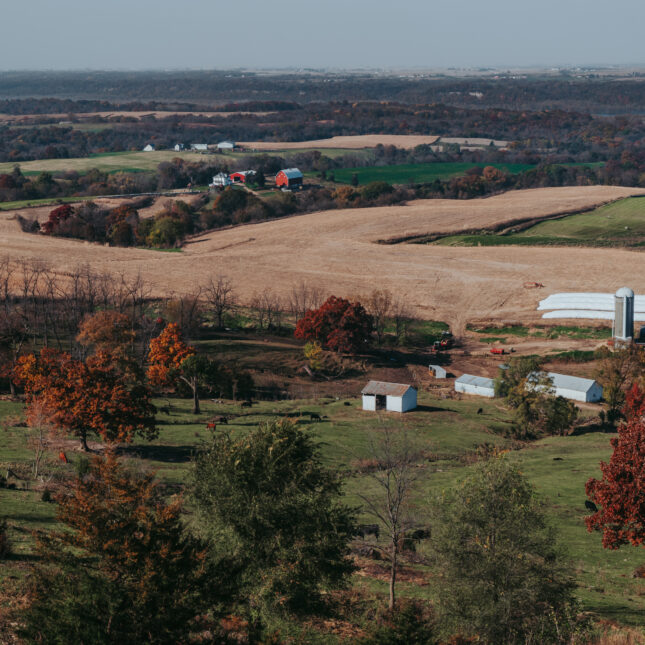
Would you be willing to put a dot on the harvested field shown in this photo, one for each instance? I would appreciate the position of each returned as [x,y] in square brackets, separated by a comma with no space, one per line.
[335,250]
[10,118]
[407,141]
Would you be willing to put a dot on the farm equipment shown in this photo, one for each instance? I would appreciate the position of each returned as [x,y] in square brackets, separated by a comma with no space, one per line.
[498,350]
[447,341]
[533,285]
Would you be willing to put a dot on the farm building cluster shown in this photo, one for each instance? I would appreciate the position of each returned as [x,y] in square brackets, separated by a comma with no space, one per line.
[287,179]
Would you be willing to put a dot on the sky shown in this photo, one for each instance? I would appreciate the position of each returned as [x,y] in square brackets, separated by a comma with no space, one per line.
[349,34]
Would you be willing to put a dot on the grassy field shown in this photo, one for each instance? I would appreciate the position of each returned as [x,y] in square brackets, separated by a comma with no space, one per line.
[621,223]
[417,173]
[447,433]
[108,162]
[552,331]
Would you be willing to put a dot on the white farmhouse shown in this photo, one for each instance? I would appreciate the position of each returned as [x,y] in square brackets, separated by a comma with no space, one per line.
[574,387]
[479,385]
[149,148]
[393,397]
[221,180]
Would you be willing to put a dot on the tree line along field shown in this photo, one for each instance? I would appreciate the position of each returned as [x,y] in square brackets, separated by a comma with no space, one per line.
[448,432]
[621,223]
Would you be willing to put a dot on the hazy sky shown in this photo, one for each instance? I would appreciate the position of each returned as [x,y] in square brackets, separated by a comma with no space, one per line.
[206,34]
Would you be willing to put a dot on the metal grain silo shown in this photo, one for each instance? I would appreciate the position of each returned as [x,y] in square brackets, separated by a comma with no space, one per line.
[624,314]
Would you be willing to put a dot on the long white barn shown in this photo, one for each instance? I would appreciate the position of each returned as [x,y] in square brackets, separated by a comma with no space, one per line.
[599,306]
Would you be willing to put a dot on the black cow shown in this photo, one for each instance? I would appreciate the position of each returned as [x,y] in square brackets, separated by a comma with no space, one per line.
[246,404]
[480,411]
[590,506]
[363,530]
[314,417]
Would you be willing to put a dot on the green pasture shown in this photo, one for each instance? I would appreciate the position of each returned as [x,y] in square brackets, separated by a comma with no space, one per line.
[621,223]
[446,433]
[418,173]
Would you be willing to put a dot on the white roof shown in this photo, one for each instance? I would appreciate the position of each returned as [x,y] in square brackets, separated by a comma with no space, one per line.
[591,301]
[566,382]
[386,389]
[226,143]
[479,381]
[292,173]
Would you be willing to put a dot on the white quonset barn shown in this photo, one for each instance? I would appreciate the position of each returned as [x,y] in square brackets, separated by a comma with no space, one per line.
[393,397]
[480,385]
[438,371]
[575,388]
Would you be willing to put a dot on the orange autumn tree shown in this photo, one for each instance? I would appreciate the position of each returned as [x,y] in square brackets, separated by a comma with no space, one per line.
[91,397]
[171,359]
[167,352]
[110,331]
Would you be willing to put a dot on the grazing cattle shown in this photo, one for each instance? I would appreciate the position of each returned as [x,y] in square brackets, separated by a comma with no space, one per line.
[220,420]
[590,506]
[480,411]
[418,534]
[557,459]
[246,404]
[346,403]
[363,530]
[165,410]
[314,417]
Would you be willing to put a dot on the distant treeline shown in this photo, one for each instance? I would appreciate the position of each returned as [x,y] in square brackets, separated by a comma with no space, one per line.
[583,91]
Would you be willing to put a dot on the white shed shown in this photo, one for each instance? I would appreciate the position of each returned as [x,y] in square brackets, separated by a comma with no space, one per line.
[575,388]
[480,385]
[226,145]
[149,148]
[179,147]
[438,371]
[393,397]
[199,146]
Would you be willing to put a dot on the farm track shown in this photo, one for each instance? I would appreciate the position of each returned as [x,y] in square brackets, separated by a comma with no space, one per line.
[336,251]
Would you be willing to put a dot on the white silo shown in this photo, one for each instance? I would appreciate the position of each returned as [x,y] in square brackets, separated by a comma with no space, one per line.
[624,314]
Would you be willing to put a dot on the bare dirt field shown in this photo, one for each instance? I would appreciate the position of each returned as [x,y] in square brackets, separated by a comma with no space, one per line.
[335,250]
[354,142]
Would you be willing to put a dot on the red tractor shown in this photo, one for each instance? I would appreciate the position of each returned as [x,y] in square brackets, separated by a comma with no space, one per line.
[447,342]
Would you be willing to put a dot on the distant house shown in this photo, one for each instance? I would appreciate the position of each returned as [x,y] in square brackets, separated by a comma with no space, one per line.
[573,387]
[221,180]
[149,148]
[479,385]
[226,145]
[202,147]
[179,147]
[289,178]
[393,397]
[243,176]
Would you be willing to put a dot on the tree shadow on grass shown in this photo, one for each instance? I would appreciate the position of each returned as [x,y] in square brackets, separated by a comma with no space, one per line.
[430,408]
[166,454]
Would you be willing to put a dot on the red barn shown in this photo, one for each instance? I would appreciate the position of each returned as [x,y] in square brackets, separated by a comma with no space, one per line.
[242,176]
[289,178]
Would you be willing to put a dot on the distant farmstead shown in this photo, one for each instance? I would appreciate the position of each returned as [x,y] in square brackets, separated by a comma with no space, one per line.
[243,176]
[392,397]
[226,145]
[289,178]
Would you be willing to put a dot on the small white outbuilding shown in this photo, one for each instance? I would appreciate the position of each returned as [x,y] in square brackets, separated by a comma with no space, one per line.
[149,148]
[575,388]
[226,145]
[393,397]
[201,147]
[438,371]
[479,385]
[179,147]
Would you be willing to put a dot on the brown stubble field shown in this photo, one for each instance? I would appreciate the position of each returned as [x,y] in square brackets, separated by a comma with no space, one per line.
[336,251]
[352,142]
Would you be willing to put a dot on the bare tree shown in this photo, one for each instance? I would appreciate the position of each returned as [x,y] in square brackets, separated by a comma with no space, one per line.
[268,309]
[41,428]
[185,310]
[220,297]
[401,314]
[395,478]
[378,305]
[302,298]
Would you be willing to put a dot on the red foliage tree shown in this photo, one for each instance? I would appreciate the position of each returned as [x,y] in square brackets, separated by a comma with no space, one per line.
[96,396]
[337,324]
[57,216]
[621,491]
